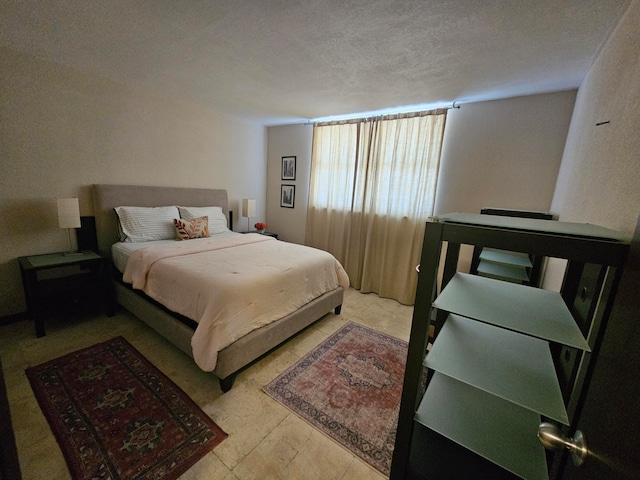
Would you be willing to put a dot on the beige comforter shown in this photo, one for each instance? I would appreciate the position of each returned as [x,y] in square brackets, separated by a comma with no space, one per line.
[232,285]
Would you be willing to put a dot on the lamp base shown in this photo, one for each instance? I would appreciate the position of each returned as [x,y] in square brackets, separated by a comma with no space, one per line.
[71,252]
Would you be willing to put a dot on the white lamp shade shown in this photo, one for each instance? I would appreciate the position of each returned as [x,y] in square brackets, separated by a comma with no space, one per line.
[248,207]
[68,213]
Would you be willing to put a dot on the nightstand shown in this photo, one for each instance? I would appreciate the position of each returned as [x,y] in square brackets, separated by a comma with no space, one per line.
[268,234]
[54,277]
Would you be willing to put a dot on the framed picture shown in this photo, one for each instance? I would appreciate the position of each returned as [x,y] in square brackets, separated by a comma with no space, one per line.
[287,195]
[288,168]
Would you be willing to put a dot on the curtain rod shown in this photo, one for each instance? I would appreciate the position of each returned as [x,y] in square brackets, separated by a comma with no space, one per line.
[359,119]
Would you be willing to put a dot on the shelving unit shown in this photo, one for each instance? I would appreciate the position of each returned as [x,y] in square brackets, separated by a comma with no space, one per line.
[505,356]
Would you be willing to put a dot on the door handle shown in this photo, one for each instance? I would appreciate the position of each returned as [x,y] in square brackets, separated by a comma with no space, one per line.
[552,438]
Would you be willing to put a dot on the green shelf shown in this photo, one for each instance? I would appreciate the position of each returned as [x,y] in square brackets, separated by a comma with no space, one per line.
[529,310]
[500,431]
[515,367]
[502,271]
[506,257]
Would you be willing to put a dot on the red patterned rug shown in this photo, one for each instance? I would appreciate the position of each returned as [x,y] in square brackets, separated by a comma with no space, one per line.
[116,416]
[349,387]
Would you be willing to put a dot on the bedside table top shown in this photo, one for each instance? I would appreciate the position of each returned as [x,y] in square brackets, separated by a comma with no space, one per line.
[268,234]
[56,259]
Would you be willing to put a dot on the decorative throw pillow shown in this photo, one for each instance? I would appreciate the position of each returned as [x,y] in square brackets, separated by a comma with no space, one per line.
[193,228]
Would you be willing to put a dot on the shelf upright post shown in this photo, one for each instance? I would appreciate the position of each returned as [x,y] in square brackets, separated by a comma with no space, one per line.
[411,395]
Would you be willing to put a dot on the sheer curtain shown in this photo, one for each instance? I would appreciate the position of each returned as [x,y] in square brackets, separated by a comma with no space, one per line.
[373,185]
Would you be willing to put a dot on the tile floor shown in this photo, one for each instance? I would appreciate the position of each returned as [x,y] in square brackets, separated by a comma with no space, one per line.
[266,441]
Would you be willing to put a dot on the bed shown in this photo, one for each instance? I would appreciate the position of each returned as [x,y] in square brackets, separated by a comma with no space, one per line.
[253,341]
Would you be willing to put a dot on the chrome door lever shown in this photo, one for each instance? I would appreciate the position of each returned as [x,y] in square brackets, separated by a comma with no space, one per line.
[552,438]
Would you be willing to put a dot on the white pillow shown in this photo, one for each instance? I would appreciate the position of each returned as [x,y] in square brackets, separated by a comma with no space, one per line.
[217,220]
[143,224]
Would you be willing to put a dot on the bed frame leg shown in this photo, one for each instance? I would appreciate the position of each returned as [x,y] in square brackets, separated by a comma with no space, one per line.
[338,309]
[227,383]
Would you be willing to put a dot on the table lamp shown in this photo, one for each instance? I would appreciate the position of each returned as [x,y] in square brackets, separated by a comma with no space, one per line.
[248,209]
[69,217]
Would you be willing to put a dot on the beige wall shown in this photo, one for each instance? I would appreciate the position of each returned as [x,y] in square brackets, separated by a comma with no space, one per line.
[286,141]
[62,130]
[503,153]
[599,181]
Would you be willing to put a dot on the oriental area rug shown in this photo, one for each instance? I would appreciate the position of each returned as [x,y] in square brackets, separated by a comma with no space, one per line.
[116,416]
[349,387]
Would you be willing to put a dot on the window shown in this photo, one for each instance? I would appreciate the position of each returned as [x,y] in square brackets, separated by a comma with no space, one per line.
[373,185]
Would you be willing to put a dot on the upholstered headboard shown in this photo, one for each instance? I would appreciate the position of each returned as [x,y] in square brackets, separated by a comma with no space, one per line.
[107,197]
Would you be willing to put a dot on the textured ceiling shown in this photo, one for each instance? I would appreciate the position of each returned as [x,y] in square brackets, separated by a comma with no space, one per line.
[281,61]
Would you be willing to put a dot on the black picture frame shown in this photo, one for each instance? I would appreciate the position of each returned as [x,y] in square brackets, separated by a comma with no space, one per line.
[287,196]
[288,168]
